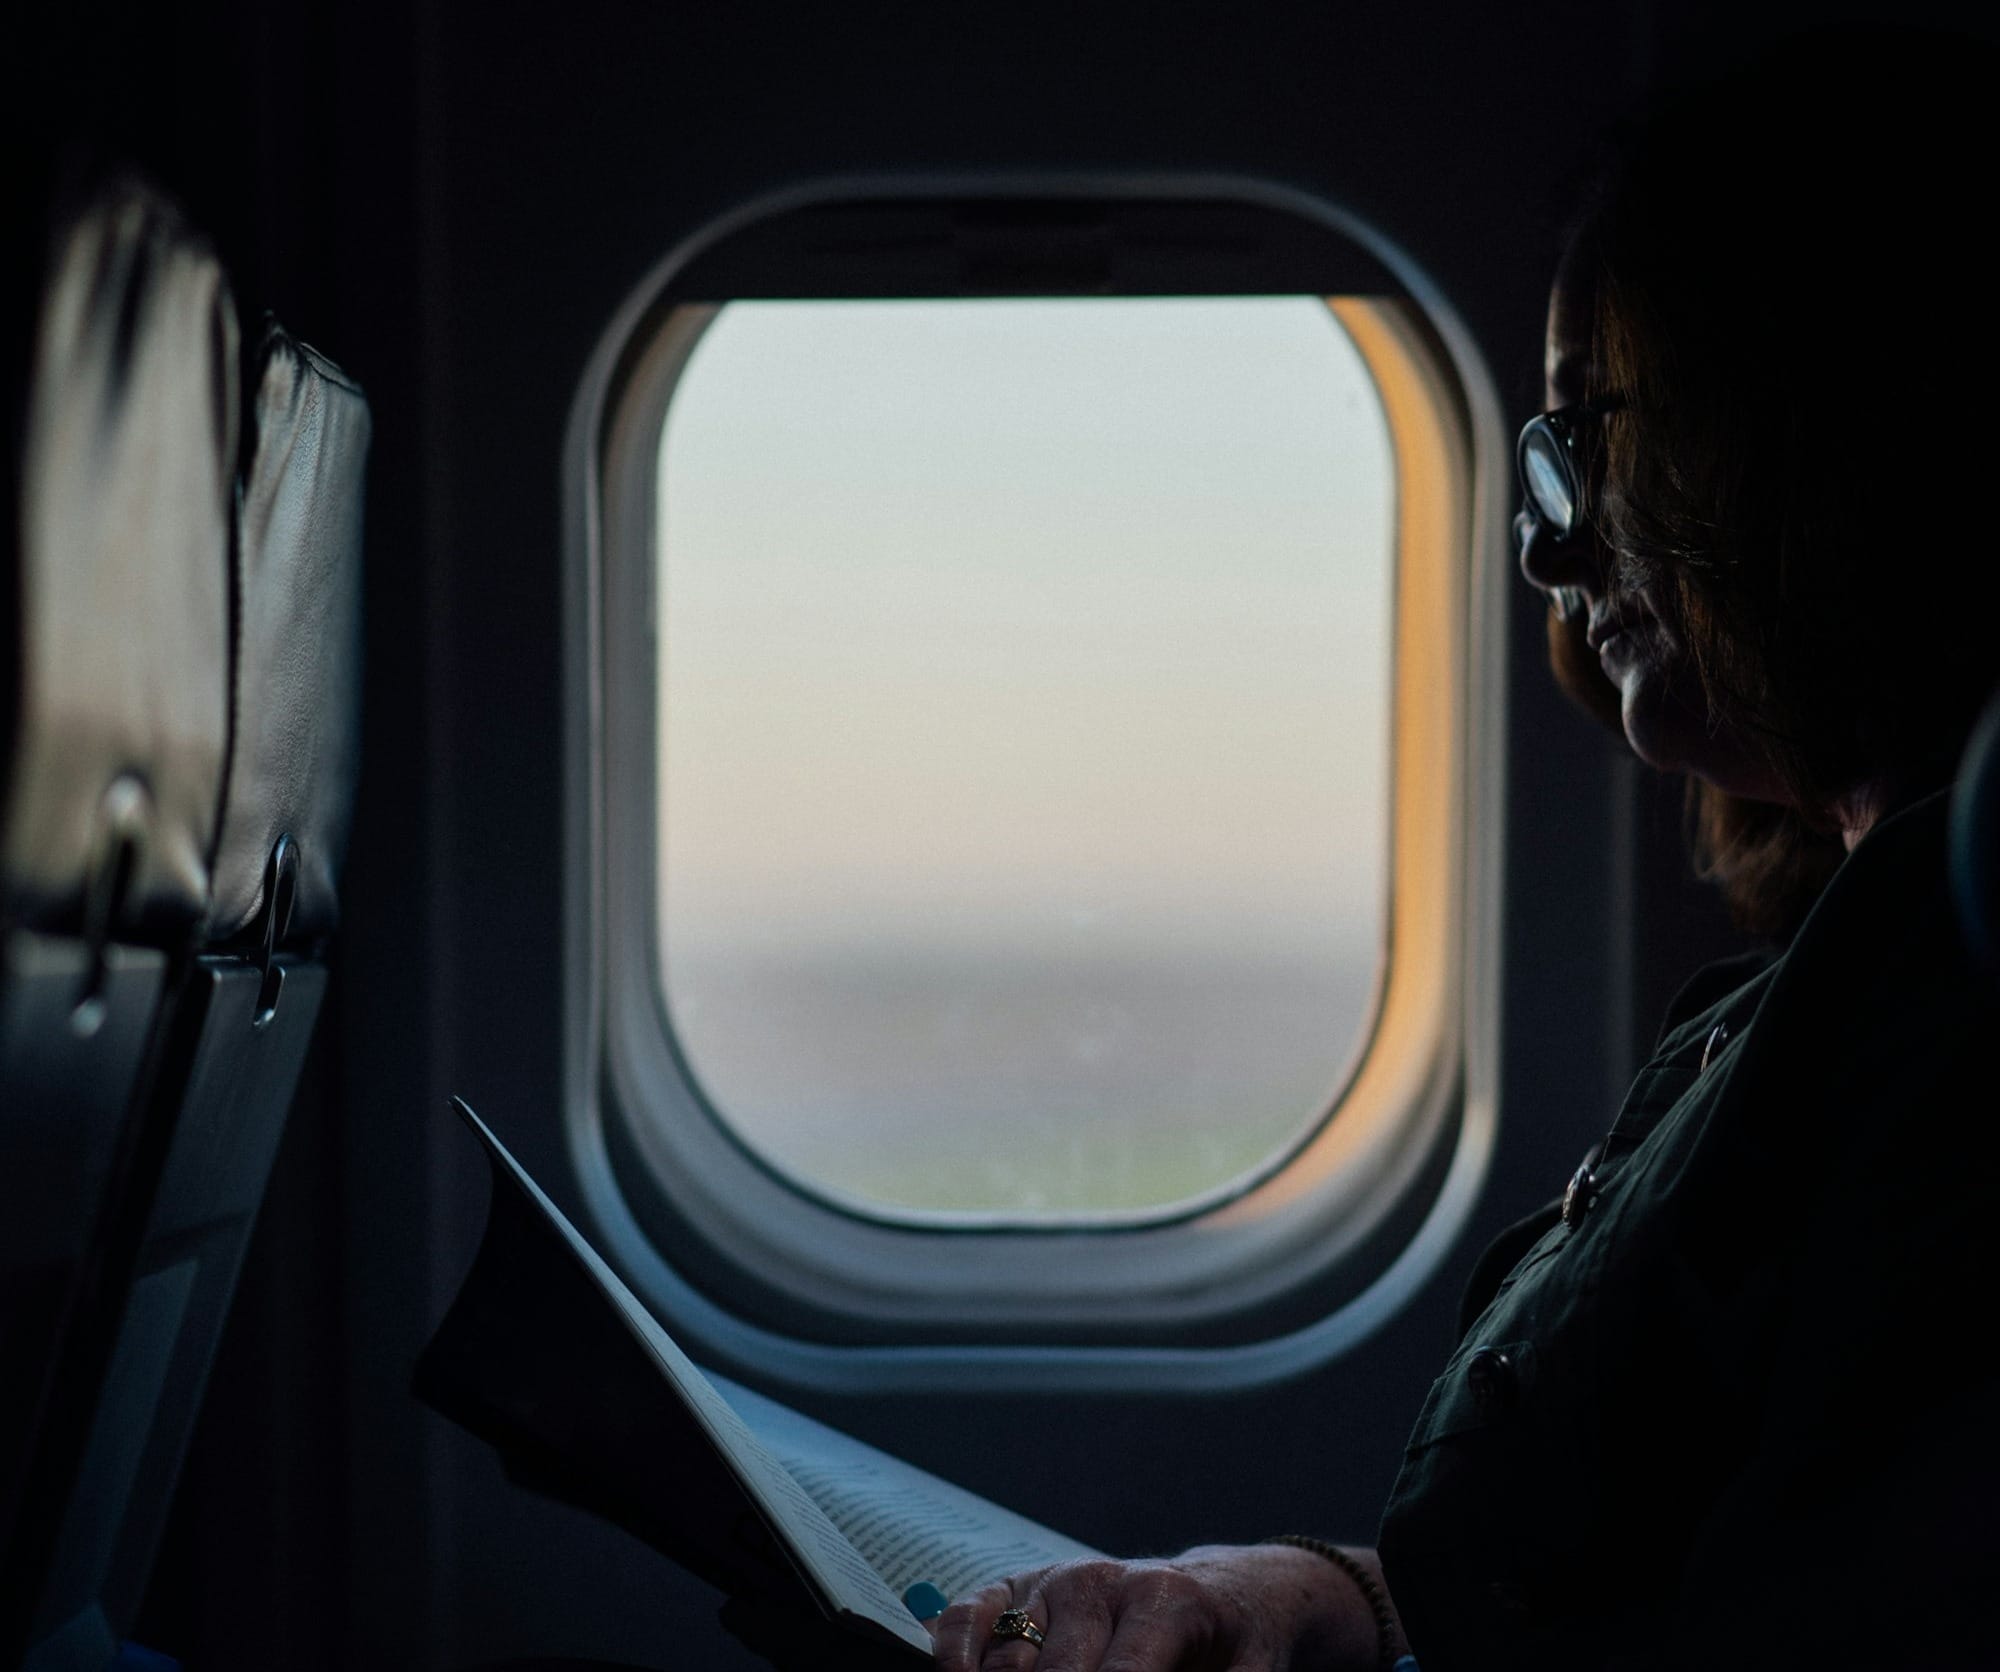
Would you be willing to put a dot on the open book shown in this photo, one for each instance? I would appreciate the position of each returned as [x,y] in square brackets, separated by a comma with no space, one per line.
[550,1357]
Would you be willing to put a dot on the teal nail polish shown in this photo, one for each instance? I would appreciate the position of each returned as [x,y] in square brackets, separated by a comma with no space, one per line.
[925,1600]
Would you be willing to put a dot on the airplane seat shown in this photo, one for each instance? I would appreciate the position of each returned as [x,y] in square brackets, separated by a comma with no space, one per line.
[239,1028]
[1975,838]
[223,1051]
[121,425]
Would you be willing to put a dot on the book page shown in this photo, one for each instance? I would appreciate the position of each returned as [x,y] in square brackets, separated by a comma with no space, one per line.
[844,1580]
[909,1524]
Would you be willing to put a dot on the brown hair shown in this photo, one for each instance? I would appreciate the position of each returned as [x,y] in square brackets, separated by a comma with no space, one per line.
[1786,462]
[1768,861]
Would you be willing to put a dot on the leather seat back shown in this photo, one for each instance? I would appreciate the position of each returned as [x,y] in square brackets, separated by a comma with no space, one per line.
[242,1016]
[116,561]
[128,466]
[177,789]
[294,749]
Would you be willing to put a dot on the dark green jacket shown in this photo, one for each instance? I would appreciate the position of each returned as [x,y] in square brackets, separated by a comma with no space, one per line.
[1739,1409]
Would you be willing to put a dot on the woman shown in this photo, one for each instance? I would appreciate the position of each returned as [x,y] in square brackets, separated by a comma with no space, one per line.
[1722,1404]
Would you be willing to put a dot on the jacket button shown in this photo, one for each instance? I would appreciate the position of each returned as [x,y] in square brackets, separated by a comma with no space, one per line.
[1582,1189]
[1495,1379]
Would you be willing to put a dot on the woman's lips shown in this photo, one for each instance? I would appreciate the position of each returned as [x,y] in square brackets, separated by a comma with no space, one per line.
[1622,650]
[1604,629]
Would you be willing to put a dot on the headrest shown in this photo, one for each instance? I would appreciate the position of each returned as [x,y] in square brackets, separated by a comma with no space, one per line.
[298,658]
[1975,837]
[109,787]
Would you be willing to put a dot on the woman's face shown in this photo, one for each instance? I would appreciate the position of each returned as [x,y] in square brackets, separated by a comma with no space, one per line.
[1659,696]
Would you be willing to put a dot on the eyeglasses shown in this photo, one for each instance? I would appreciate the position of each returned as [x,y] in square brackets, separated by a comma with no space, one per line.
[1552,475]
[1549,458]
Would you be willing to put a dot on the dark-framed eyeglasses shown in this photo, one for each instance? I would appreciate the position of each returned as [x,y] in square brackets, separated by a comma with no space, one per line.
[1548,457]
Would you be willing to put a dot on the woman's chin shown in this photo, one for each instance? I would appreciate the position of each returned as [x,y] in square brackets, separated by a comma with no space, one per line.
[1663,731]
[1650,747]
[1671,734]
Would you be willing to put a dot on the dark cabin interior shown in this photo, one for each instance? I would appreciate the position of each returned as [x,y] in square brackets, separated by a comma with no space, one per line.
[453,202]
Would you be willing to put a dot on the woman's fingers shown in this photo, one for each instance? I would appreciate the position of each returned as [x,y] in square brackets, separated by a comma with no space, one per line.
[1072,1605]
[1010,1651]
[964,1631]
[1095,1616]
[1246,1608]
[1165,1620]
[1079,1627]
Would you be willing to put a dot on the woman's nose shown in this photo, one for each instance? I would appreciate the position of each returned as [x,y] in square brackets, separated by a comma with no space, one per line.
[1553,563]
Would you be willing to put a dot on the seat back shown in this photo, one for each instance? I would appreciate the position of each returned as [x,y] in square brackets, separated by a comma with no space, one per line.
[228,1039]
[111,765]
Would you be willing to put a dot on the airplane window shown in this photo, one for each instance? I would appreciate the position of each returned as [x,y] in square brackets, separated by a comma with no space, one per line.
[1026,729]
[1024,767]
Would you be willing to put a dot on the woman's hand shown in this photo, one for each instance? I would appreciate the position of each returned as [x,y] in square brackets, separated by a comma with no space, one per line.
[1219,1608]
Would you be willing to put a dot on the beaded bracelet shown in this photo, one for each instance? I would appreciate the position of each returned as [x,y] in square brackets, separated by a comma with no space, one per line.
[1377,1598]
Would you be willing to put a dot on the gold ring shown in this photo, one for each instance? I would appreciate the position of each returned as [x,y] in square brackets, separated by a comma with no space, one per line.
[1014,1622]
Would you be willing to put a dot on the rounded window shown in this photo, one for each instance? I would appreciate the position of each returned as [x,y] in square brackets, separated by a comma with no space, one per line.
[1026,676]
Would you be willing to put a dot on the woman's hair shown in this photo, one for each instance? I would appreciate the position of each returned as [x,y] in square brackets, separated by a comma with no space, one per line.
[1769,862]
[1796,340]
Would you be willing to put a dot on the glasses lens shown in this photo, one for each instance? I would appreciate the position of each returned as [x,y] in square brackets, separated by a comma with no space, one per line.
[1546,480]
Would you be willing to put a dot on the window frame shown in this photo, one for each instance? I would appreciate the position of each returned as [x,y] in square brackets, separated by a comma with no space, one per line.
[1311,1257]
